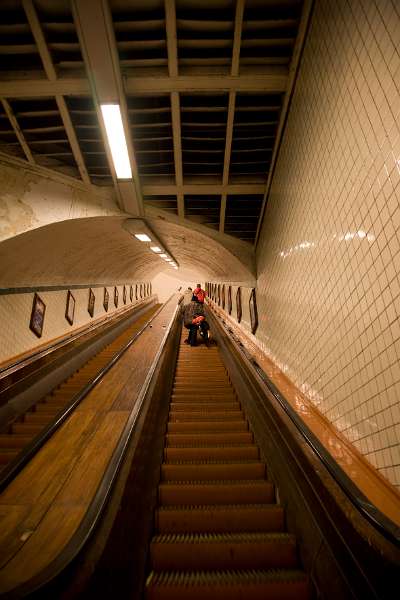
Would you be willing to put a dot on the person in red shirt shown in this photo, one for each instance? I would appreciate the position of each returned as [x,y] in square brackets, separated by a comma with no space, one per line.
[199,295]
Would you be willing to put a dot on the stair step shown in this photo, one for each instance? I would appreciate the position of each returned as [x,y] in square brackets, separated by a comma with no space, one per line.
[202,415]
[27,428]
[216,492]
[213,439]
[274,584]
[220,518]
[212,452]
[207,426]
[220,551]
[207,471]
[13,440]
[7,454]
[39,417]
[209,406]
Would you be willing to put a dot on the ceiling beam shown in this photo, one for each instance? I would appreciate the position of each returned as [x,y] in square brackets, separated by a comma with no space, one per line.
[79,86]
[222,213]
[95,30]
[212,189]
[17,130]
[172,46]
[172,43]
[237,37]
[51,73]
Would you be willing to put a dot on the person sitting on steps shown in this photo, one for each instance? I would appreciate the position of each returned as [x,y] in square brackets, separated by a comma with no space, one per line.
[194,319]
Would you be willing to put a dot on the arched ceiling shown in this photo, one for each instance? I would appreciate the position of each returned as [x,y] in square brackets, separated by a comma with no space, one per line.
[99,250]
[203,88]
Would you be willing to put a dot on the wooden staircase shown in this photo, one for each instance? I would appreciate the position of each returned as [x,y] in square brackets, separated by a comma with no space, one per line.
[219,533]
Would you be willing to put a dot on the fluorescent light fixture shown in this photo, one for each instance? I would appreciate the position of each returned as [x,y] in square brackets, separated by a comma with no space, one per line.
[163,256]
[155,249]
[116,140]
[142,237]
[168,259]
[175,267]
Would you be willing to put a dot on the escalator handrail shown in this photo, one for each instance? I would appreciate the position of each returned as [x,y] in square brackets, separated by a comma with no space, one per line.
[16,465]
[98,503]
[388,528]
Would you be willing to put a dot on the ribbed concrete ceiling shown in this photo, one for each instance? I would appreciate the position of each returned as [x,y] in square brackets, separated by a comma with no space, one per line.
[204,83]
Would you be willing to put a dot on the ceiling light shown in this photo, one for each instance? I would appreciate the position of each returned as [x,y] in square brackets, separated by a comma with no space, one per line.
[163,255]
[116,140]
[155,249]
[142,237]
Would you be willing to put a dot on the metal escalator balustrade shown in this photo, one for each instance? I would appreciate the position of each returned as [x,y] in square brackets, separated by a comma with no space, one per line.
[219,532]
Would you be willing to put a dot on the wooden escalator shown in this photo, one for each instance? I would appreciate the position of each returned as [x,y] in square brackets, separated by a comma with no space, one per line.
[29,425]
[219,534]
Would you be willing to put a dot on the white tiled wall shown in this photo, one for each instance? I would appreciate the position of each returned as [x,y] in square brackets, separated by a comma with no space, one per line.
[329,252]
[15,313]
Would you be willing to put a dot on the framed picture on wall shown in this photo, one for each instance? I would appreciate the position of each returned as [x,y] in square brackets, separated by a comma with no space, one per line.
[106,299]
[150,289]
[131,293]
[219,295]
[37,315]
[124,294]
[91,302]
[70,308]
[223,297]
[115,296]
[136,291]
[253,311]
[141,290]
[229,299]
[239,304]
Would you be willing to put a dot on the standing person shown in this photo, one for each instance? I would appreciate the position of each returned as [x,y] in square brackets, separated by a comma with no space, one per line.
[187,296]
[199,295]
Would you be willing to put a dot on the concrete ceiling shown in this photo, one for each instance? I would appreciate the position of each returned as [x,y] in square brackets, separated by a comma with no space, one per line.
[64,253]
[203,86]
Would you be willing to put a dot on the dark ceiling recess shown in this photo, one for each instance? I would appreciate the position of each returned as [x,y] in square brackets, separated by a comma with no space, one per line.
[61,36]
[269,32]
[86,125]
[167,203]
[140,34]
[151,128]
[242,214]
[18,52]
[205,34]
[203,127]
[254,130]
[43,129]
[205,83]
[8,140]
[203,209]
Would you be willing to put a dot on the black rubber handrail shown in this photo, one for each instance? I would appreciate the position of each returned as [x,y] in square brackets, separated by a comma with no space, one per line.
[93,514]
[388,528]
[16,465]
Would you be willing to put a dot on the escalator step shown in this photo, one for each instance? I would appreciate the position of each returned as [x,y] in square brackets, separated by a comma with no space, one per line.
[220,518]
[14,440]
[198,471]
[216,492]
[212,452]
[207,426]
[274,584]
[213,439]
[208,406]
[203,415]
[220,551]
